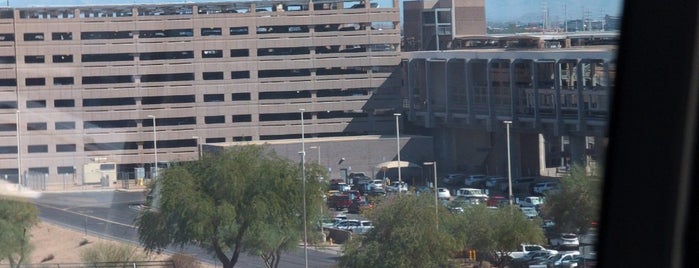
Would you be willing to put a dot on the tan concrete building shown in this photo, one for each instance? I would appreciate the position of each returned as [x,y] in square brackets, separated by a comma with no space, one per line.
[450,19]
[88,83]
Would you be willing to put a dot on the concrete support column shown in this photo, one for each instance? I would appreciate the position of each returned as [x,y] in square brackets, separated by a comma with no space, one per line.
[542,154]
[469,90]
[578,150]
[429,116]
[489,89]
[557,99]
[445,148]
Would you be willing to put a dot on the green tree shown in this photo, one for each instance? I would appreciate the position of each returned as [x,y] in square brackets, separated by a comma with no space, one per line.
[243,199]
[496,232]
[17,217]
[576,204]
[404,235]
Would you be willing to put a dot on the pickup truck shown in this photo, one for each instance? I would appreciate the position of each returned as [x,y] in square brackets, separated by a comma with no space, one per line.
[339,202]
[526,248]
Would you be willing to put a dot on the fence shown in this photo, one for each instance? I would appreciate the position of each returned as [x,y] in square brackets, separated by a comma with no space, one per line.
[103,265]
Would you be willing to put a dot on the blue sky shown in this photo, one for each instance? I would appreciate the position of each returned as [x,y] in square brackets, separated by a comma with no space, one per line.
[496,10]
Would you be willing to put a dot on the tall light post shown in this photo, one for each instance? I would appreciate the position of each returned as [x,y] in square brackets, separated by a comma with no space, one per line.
[400,179]
[19,154]
[436,193]
[199,150]
[303,178]
[155,146]
[509,165]
[316,147]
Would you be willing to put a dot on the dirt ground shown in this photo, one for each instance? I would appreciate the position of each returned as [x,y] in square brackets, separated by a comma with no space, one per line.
[64,244]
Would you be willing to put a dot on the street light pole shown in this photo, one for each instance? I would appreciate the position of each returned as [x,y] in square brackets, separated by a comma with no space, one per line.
[19,154]
[509,165]
[303,175]
[400,179]
[155,146]
[436,194]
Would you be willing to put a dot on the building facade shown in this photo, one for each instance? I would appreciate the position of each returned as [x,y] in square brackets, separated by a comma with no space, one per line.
[434,24]
[128,84]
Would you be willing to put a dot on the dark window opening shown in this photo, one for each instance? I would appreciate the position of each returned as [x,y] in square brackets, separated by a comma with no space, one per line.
[109,124]
[340,114]
[284,116]
[212,75]
[327,27]
[171,143]
[339,71]
[62,58]
[65,125]
[166,33]
[174,121]
[280,137]
[241,96]
[169,55]
[242,138]
[168,99]
[31,126]
[216,119]
[34,59]
[283,73]
[108,102]
[62,36]
[36,104]
[210,31]
[239,53]
[65,148]
[212,53]
[284,95]
[240,75]
[342,93]
[215,140]
[38,170]
[148,78]
[353,49]
[238,30]
[213,98]
[8,127]
[8,105]
[60,81]
[40,81]
[113,79]
[42,148]
[7,37]
[106,35]
[279,51]
[240,118]
[64,103]
[108,57]
[111,146]
[8,82]
[7,59]
[282,29]
[34,37]
[8,150]
[65,170]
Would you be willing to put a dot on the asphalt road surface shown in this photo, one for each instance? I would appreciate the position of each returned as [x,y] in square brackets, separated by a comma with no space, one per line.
[111,214]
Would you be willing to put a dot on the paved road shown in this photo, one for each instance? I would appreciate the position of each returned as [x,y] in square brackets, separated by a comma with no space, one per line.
[108,214]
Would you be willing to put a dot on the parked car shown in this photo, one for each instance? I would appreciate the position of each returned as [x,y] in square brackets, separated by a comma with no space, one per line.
[475,180]
[494,181]
[454,179]
[531,201]
[543,187]
[443,193]
[398,187]
[533,256]
[559,259]
[497,201]
[565,241]
[529,212]
[355,226]
[377,184]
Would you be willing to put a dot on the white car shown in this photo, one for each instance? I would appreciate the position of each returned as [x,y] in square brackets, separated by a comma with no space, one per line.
[398,187]
[529,212]
[565,241]
[443,193]
[376,184]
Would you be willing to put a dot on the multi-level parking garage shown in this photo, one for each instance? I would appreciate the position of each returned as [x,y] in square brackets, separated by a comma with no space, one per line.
[556,99]
[79,84]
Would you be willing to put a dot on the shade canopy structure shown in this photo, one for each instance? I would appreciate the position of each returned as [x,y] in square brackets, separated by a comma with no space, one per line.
[396,164]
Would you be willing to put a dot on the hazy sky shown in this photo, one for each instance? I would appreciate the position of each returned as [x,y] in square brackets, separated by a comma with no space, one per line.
[496,10]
